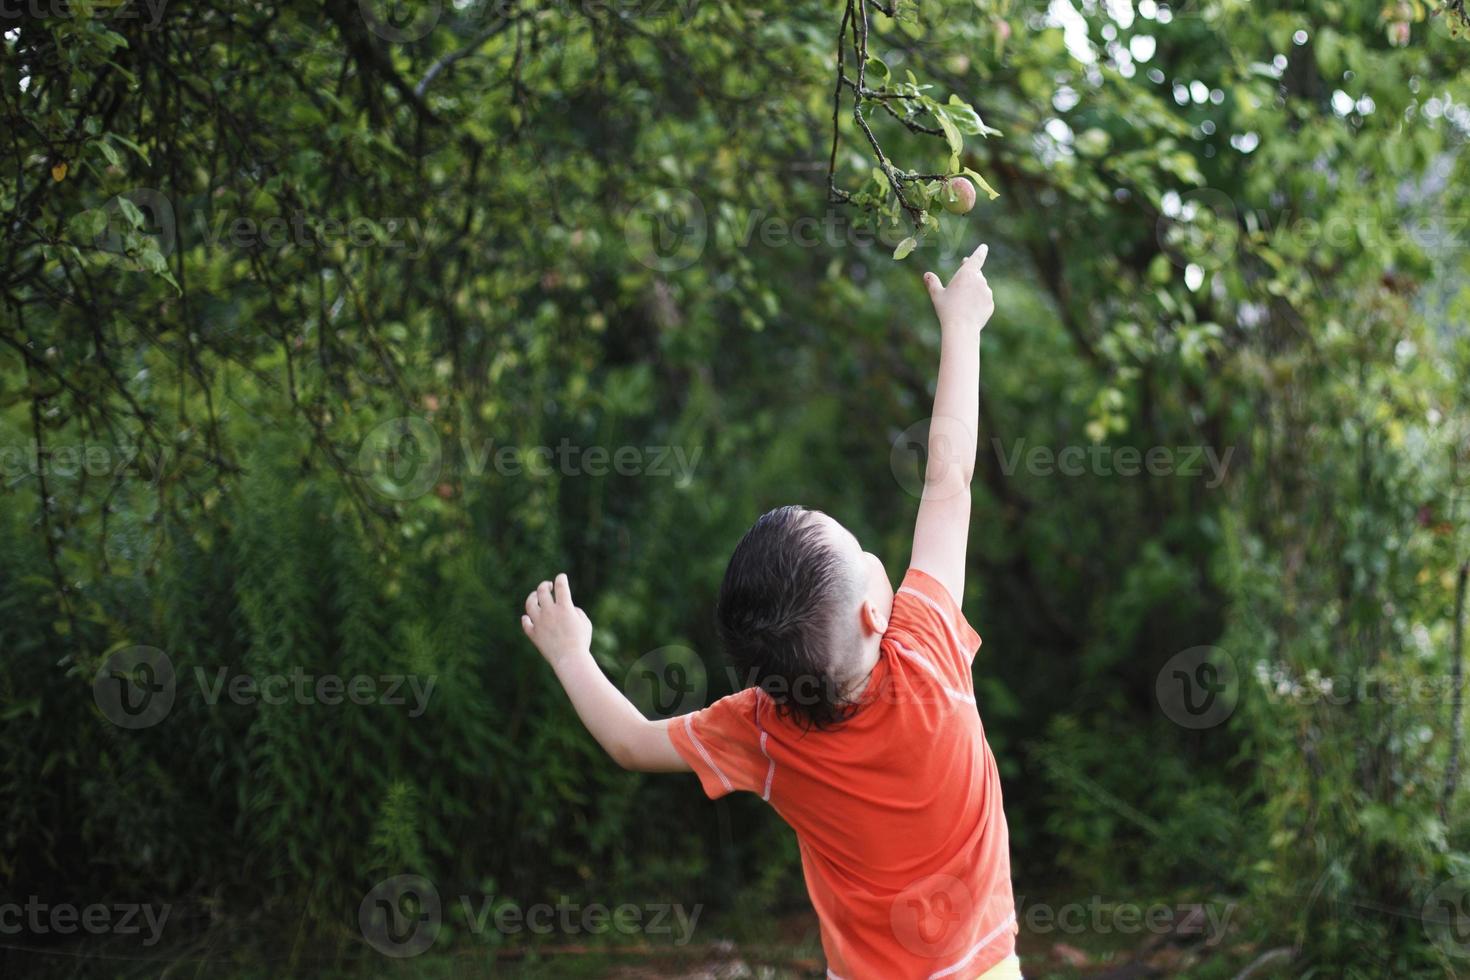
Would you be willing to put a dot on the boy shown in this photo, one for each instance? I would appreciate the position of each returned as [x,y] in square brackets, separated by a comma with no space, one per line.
[862,729]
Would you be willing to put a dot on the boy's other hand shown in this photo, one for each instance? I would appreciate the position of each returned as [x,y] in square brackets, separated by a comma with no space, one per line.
[966,301]
[557,627]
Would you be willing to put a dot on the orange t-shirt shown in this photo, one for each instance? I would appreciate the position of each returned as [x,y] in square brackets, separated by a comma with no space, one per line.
[897,811]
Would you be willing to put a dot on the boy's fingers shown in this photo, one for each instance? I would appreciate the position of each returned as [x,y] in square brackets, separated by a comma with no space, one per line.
[979,254]
[563,589]
[934,285]
[527,625]
[532,605]
[543,594]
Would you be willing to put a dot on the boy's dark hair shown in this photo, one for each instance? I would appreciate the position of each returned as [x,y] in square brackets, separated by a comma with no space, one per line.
[777,611]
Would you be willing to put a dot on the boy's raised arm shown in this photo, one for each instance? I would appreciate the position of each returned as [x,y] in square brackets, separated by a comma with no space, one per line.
[563,634]
[943,527]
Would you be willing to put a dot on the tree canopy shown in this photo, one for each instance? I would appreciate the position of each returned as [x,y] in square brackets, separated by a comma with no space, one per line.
[325,325]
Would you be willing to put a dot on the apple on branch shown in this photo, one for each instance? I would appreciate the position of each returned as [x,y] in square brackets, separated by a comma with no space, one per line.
[959,195]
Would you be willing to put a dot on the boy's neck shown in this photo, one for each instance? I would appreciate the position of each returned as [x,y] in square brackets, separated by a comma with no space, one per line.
[862,669]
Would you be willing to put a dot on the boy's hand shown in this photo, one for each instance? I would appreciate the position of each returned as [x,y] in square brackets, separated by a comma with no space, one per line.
[557,628]
[563,634]
[966,301]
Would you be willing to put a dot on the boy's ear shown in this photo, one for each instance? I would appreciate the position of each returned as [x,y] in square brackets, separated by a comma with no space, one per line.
[873,621]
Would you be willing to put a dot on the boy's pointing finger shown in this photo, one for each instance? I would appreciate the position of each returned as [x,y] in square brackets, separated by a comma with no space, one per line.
[980,254]
[563,589]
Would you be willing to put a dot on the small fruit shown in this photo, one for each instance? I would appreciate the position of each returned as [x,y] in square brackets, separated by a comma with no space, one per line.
[959,195]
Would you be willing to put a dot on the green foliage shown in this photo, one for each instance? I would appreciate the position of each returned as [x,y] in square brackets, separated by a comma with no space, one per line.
[241,242]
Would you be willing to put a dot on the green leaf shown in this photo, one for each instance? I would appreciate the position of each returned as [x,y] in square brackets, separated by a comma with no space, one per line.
[967,119]
[951,131]
[87,225]
[130,211]
[905,247]
[982,183]
[110,40]
[153,260]
[142,153]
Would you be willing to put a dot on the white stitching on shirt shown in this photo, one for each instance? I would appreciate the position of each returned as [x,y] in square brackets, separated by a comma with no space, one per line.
[689,727]
[986,940]
[934,672]
[954,633]
[770,773]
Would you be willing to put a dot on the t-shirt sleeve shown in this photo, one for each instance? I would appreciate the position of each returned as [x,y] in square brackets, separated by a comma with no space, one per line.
[926,611]
[722,744]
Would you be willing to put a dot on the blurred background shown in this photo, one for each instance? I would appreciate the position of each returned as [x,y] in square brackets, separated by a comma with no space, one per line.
[328,330]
